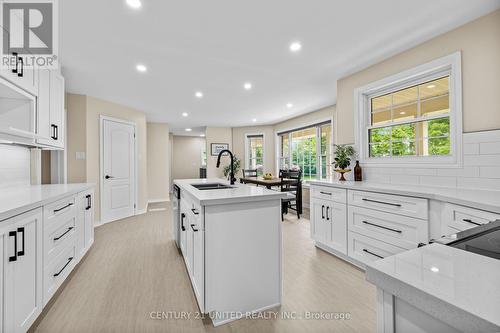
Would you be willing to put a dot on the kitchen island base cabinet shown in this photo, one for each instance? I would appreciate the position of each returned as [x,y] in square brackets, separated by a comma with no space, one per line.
[21,267]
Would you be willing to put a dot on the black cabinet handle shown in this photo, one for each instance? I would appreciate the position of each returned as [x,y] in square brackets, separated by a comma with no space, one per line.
[53,130]
[17,61]
[59,209]
[325,193]
[322,211]
[192,227]
[21,230]
[382,202]
[373,254]
[327,209]
[56,132]
[21,73]
[65,265]
[64,233]
[183,216]
[89,201]
[195,212]
[470,221]
[108,177]
[382,227]
[13,234]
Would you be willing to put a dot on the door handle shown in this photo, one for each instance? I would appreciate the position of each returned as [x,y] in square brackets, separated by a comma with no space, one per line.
[327,217]
[13,234]
[89,201]
[21,230]
[56,132]
[108,177]
[183,216]
[322,211]
[21,73]
[192,227]
[53,129]
[17,61]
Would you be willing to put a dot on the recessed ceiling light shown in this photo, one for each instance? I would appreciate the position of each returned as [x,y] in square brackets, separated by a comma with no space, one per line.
[402,112]
[289,105]
[199,94]
[188,130]
[136,4]
[247,86]
[141,68]
[430,86]
[295,46]
[254,120]
[202,135]
[435,269]
[184,114]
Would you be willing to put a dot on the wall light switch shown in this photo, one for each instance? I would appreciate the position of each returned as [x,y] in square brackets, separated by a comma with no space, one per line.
[80,155]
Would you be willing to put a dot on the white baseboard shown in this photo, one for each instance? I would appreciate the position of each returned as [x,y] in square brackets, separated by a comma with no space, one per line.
[97,224]
[141,211]
[158,200]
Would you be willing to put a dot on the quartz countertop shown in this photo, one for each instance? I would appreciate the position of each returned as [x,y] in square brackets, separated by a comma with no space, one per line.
[458,287]
[487,200]
[238,193]
[19,199]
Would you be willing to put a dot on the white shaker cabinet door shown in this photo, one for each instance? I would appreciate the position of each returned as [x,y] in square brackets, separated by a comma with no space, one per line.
[318,222]
[336,226]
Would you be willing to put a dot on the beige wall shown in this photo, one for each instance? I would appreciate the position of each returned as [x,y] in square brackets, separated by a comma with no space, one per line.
[239,144]
[158,162]
[217,135]
[186,156]
[479,42]
[306,119]
[76,140]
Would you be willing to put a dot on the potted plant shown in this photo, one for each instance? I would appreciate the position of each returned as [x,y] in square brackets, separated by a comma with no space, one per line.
[342,160]
[237,165]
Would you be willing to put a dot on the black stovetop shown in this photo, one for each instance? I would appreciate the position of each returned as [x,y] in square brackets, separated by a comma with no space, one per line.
[483,240]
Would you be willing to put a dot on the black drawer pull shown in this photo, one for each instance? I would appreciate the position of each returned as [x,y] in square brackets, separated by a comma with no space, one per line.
[61,236]
[89,201]
[373,254]
[65,265]
[192,227]
[195,212]
[59,209]
[325,193]
[327,209]
[470,221]
[382,227]
[13,234]
[17,62]
[53,130]
[322,211]
[21,230]
[21,73]
[382,202]
[183,216]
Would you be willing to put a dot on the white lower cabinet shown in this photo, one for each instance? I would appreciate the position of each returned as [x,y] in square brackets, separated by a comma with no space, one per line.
[21,264]
[38,250]
[457,218]
[329,225]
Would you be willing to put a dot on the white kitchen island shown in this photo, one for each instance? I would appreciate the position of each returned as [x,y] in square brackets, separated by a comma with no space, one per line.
[231,243]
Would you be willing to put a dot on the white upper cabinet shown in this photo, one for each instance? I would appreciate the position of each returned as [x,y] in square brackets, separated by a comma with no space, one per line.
[20,75]
[51,108]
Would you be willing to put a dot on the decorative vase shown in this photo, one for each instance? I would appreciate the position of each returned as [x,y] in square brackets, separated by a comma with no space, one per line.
[358,173]
[342,171]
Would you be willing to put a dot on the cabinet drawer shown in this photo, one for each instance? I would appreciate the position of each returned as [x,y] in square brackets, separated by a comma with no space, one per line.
[329,193]
[367,250]
[56,239]
[408,206]
[394,229]
[66,206]
[56,272]
[462,218]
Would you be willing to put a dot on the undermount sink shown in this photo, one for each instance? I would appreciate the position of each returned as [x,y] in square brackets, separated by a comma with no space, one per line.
[211,186]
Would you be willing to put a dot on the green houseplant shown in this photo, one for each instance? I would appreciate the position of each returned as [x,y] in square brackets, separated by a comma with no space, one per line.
[237,165]
[342,159]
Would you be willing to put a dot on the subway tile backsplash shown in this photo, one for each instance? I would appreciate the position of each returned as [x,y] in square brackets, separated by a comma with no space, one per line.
[481,167]
[14,165]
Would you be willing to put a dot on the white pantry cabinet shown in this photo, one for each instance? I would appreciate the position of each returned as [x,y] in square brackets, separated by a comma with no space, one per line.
[21,264]
[51,108]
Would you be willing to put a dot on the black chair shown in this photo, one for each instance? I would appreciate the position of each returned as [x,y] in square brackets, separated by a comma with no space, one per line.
[291,182]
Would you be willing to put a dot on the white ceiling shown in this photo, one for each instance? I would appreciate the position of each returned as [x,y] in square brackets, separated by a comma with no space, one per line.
[216,46]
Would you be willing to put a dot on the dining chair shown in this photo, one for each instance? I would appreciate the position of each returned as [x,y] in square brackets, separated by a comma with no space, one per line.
[291,182]
[249,173]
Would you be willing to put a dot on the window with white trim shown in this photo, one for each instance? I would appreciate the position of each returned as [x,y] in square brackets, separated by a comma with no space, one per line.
[255,153]
[413,117]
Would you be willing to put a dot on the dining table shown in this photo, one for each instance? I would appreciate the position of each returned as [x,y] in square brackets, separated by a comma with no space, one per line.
[273,182]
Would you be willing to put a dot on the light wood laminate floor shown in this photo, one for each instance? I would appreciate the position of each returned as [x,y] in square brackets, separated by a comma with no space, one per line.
[134,269]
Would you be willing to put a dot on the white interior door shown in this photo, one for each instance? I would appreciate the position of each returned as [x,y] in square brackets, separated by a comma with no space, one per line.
[118,170]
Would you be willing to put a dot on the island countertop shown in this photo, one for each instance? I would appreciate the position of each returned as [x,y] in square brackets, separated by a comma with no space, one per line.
[237,193]
[19,199]
[458,287]
[488,200]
